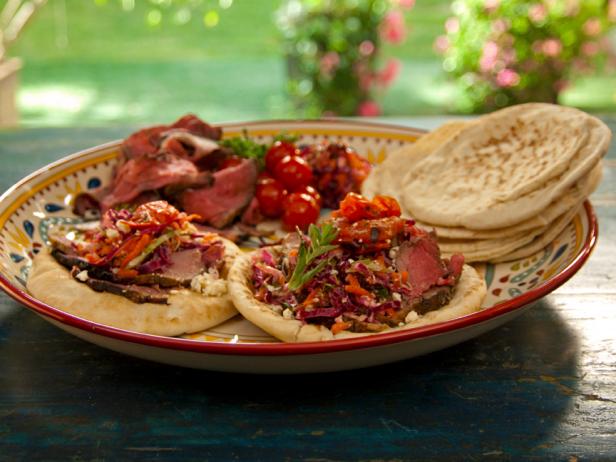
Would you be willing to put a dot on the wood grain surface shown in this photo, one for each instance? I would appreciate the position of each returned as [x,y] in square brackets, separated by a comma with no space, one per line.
[542,387]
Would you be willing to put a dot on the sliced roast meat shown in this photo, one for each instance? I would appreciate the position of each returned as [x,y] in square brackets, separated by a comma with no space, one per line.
[150,173]
[187,145]
[252,215]
[147,141]
[73,261]
[196,126]
[420,258]
[185,265]
[221,202]
[135,293]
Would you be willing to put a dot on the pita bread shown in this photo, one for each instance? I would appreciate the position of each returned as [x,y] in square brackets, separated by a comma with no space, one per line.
[489,176]
[386,177]
[576,194]
[468,296]
[186,312]
[542,240]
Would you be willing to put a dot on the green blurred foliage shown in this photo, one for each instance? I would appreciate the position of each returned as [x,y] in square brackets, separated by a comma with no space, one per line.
[508,52]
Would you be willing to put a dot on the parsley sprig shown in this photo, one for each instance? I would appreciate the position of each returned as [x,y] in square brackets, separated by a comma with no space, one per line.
[244,146]
[321,238]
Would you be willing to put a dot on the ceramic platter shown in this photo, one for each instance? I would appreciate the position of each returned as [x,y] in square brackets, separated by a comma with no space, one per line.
[45,198]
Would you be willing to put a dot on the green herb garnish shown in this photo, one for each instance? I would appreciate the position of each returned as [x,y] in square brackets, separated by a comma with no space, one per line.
[244,146]
[286,137]
[320,243]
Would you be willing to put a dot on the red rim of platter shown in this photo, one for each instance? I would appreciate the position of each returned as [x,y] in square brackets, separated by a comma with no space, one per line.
[306,348]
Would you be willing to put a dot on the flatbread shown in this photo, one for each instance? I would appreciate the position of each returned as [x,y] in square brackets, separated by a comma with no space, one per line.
[468,296]
[542,240]
[576,193]
[478,180]
[186,312]
[386,177]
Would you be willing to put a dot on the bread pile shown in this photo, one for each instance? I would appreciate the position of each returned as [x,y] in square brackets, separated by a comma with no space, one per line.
[500,187]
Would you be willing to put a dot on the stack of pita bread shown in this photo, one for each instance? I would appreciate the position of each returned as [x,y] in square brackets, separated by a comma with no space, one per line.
[500,187]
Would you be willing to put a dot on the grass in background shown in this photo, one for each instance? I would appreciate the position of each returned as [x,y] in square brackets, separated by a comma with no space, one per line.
[87,64]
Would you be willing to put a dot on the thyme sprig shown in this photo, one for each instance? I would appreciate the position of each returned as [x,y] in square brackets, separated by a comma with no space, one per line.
[321,238]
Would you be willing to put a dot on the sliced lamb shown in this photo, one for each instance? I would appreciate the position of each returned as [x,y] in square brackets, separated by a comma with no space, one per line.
[221,202]
[150,173]
[135,293]
[187,145]
[147,141]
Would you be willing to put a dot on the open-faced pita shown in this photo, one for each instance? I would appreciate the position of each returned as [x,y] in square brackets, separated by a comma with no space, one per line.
[186,311]
[468,296]
[480,180]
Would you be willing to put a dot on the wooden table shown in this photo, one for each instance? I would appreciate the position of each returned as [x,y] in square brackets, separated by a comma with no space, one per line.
[543,387]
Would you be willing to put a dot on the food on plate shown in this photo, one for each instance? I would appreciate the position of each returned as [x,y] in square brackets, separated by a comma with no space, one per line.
[148,270]
[232,182]
[364,271]
[495,187]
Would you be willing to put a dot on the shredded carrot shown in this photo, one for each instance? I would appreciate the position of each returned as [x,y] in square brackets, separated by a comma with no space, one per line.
[125,273]
[353,286]
[405,276]
[395,277]
[381,260]
[311,296]
[340,326]
[136,249]
[292,252]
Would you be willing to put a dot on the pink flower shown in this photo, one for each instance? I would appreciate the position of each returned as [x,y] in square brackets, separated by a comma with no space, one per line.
[389,72]
[590,48]
[329,62]
[537,12]
[507,78]
[364,76]
[392,27]
[441,44]
[552,47]
[488,57]
[491,5]
[452,25]
[366,48]
[369,109]
[408,4]
[561,85]
[499,26]
[611,11]
[592,27]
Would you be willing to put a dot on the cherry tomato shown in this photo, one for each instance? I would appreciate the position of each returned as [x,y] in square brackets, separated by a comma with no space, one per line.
[311,192]
[230,161]
[278,151]
[270,194]
[299,210]
[293,172]
[264,177]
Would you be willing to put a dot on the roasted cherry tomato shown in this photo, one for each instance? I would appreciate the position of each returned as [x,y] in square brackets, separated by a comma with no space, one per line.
[270,194]
[230,161]
[311,192]
[278,151]
[300,210]
[293,172]
[355,207]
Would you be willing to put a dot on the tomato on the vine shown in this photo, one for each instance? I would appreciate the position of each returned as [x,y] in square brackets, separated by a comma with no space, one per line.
[293,172]
[278,151]
[270,194]
[300,210]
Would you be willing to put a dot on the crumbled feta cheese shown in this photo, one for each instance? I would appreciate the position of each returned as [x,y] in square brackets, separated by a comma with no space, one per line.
[112,233]
[400,324]
[208,284]
[82,275]
[396,296]
[412,316]
[393,252]
[351,261]
[123,226]
[287,314]
[277,309]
